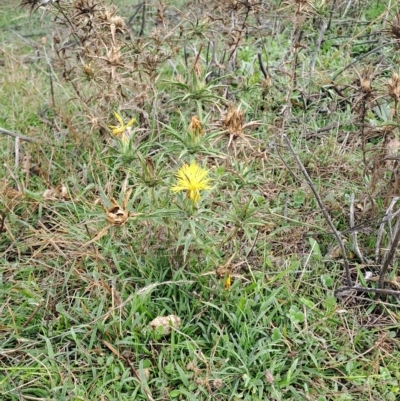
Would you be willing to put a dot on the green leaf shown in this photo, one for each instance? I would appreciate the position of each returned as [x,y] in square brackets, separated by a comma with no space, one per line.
[315,250]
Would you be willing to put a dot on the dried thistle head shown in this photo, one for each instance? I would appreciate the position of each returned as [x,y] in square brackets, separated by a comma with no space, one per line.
[197,70]
[234,126]
[118,22]
[395,26]
[266,84]
[302,6]
[108,15]
[195,126]
[88,72]
[116,214]
[114,56]
[84,8]
[365,79]
[33,4]
[217,384]
[234,121]
[393,86]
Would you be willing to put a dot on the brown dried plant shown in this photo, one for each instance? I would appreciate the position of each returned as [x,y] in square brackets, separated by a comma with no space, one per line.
[393,87]
[105,67]
[234,126]
[116,215]
[195,127]
[395,27]
[302,6]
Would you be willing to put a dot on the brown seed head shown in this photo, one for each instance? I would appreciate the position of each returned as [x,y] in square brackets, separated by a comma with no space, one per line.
[195,126]
[365,81]
[393,86]
[88,71]
[395,26]
[114,56]
[118,22]
[198,70]
[217,384]
[269,377]
[116,215]
[84,6]
[234,120]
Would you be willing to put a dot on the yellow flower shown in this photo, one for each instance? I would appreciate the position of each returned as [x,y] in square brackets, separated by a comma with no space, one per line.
[227,283]
[192,179]
[119,130]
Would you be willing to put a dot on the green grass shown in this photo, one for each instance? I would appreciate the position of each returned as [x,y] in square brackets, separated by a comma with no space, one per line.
[77,294]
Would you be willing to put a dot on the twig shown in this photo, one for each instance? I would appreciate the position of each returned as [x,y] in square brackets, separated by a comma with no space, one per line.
[363,289]
[15,135]
[331,14]
[388,216]
[374,50]
[143,19]
[3,219]
[317,47]
[390,255]
[138,7]
[355,232]
[197,57]
[323,209]
[16,152]
[284,162]
[347,9]
[252,245]
[262,66]
[51,86]
[13,177]
[34,313]
[136,373]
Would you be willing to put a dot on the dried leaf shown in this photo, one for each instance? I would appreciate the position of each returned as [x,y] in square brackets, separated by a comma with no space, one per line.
[54,194]
[50,194]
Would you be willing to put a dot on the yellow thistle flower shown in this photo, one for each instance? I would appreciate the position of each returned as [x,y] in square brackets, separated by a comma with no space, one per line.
[119,130]
[192,179]
[227,283]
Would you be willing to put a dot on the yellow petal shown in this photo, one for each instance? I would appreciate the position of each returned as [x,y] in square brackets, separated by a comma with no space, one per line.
[227,283]
[118,130]
[119,118]
[131,121]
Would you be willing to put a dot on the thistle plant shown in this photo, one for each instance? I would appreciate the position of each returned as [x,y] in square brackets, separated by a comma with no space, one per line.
[122,131]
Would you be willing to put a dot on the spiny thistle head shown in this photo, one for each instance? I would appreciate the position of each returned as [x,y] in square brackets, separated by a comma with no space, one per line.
[395,26]
[365,80]
[234,120]
[195,126]
[393,86]
[192,179]
[123,131]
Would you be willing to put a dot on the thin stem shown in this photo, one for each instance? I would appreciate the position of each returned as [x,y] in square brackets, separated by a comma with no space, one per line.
[389,257]
[363,289]
[15,135]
